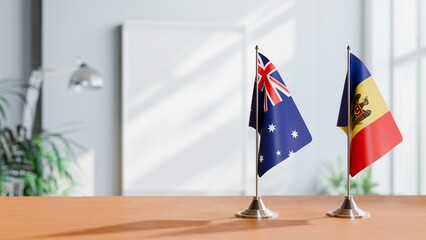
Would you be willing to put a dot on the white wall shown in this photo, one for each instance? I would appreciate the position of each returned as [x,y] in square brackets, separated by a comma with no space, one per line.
[378,58]
[393,43]
[305,39]
[15,47]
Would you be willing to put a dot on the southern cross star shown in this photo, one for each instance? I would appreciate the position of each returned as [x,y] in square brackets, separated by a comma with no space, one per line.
[294,134]
[261,159]
[272,127]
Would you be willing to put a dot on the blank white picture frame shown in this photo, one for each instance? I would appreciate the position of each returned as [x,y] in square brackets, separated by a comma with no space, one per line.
[183,109]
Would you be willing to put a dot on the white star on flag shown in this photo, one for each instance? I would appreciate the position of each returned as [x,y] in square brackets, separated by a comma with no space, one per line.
[294,134]
[261,159]
[278,153]
[272,127]
[290,153]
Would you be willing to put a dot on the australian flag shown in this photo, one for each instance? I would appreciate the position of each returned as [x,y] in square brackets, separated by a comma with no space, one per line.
[281,127]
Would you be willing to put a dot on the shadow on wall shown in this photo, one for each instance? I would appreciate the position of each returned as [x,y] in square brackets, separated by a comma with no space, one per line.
[188,101]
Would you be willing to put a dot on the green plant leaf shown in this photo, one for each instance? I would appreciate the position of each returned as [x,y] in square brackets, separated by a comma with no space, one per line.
[46,159]
[334,180]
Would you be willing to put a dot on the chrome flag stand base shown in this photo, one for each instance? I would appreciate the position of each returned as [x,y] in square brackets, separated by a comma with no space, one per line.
[349,209]
[257,209]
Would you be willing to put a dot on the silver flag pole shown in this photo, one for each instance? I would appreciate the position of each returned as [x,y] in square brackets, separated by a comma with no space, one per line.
[257,208]
[348,209]
[257,123]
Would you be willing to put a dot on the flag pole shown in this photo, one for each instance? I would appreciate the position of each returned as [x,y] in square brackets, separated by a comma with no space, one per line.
[257,208]
[348,209]
[257,123]
[349,126]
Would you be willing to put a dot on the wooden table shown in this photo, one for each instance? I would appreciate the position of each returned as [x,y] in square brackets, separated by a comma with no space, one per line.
[300,217]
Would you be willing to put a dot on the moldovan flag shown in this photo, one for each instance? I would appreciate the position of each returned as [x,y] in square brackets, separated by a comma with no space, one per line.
[373,129]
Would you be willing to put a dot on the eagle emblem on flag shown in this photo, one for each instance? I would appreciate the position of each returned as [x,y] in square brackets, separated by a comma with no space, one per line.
[358,113]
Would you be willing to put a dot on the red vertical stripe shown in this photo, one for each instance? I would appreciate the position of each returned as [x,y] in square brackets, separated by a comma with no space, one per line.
[374,141]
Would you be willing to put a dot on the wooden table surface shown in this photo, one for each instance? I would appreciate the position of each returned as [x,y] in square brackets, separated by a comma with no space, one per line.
[300,217]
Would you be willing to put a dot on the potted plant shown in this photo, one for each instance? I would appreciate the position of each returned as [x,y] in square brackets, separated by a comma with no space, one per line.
[41,164]
[334,180]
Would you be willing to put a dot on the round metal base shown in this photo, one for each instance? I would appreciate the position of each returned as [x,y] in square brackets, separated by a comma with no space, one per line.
[257,209]
[349,209]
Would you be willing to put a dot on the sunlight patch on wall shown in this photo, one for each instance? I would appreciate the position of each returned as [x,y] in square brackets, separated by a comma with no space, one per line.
[183,130]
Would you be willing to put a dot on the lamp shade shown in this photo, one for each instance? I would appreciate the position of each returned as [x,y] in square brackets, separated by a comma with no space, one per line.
[86,77]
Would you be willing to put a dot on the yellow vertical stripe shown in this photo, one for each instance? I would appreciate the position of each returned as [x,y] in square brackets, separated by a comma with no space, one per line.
[376,104]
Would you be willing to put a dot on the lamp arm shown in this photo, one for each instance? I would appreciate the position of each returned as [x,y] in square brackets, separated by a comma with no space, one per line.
[32,97]
[56,70]
[33,93]
[83,76]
